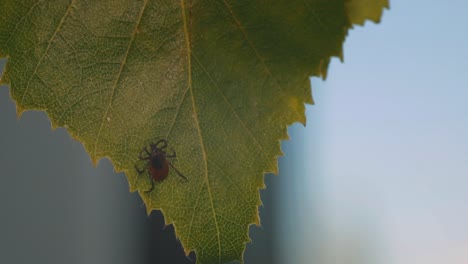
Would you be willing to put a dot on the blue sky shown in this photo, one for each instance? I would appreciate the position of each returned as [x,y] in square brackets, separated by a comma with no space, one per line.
[385,162]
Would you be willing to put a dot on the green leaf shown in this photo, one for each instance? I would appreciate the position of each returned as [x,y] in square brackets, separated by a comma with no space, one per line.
[221,80]
[360,10]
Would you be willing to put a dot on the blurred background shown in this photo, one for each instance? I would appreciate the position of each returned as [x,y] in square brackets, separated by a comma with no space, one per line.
[379,175]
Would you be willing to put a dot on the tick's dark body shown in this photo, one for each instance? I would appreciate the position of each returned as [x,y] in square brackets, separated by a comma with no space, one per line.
[159,168]
[156,162]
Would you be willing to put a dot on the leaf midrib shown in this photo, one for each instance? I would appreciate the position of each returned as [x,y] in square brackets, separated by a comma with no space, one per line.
[189,62]
[202,145]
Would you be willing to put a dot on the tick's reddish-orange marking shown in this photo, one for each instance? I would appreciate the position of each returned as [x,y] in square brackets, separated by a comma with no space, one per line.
[156,162]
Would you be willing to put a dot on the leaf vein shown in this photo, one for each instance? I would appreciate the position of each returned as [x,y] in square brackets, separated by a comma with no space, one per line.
[244,33]
[234,111]
[205,158]
[65,110]
[177,113]
[193,212]
[49,44]
[232,181]
[119,75]
[19,22]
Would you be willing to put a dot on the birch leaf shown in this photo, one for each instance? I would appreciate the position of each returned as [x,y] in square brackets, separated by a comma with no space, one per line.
[221,80]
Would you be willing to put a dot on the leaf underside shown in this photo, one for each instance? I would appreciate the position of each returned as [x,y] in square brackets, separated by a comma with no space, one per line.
[221,80]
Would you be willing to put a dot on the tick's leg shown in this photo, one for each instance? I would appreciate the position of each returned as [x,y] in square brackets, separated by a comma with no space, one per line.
[152,184]
[142,152]
[171,154]
[177,171]
[138,170]
[148,152]
[161,144]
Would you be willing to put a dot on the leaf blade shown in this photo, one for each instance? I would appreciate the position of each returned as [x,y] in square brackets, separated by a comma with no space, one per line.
[221,80]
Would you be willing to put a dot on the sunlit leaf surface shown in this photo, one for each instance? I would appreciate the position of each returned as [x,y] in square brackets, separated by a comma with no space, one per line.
[221,80]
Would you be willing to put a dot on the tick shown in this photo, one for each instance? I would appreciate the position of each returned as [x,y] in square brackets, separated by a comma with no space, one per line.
[156,163]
